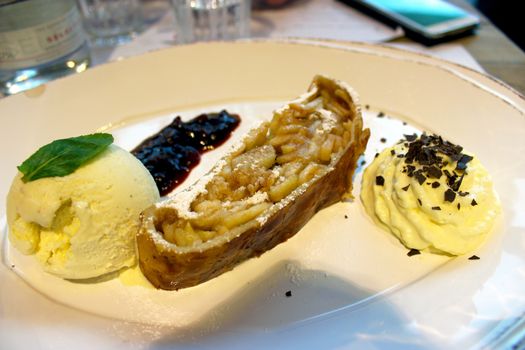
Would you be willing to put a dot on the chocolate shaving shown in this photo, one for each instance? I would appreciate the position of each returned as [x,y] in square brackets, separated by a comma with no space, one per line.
[363,162]
[451,179]
[380,115]
[450,195]
[346,216]
[434,172]
[427,151]
[473,203]
[382,139]
[462,162]
[420,177]
[413,252]
[410,169]
[411,138]
[288,293]
[406,188]
[474,257]
[455,186]
[376,155]
[392,152]
[380,181]
[426,158]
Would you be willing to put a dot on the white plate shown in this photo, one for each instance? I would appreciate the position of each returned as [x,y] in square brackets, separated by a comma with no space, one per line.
[352,285]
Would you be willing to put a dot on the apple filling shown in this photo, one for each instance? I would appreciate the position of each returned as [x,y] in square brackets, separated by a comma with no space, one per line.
[295,147]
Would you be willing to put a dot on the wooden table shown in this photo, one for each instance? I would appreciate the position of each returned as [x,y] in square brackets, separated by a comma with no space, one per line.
[496,53]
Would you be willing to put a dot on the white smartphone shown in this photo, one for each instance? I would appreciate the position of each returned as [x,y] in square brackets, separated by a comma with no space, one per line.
[430,19]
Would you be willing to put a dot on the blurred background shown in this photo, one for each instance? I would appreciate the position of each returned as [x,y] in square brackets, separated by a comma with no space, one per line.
[41,40]
[507,15]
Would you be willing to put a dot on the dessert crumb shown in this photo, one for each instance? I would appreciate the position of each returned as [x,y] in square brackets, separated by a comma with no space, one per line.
[413,252]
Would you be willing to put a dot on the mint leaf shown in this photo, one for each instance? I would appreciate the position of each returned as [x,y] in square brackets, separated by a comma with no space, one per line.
[62,157]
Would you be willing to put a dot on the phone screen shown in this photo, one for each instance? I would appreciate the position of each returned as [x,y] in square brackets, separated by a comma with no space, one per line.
[423,12]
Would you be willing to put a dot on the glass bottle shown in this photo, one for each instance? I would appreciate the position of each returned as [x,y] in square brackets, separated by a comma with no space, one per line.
[40,40]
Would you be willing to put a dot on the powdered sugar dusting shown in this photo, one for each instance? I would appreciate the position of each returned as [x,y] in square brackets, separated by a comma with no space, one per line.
[258,197]
[181,201]
[328,122]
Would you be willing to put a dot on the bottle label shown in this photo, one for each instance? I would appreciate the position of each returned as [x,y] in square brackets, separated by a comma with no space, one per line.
[41,43]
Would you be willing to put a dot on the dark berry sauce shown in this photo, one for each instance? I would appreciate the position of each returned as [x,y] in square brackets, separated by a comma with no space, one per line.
[170,154]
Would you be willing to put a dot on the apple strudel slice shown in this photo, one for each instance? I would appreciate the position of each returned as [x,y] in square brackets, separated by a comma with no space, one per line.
[261,193]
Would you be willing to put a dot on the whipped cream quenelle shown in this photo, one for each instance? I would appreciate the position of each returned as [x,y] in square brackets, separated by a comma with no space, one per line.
[431,195]
[82,225]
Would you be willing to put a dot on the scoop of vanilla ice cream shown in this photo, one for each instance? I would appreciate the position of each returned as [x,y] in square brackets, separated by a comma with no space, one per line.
[82,225]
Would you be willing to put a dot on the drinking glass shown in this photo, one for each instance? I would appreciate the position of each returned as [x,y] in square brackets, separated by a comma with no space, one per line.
[207,20]
[111,22]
